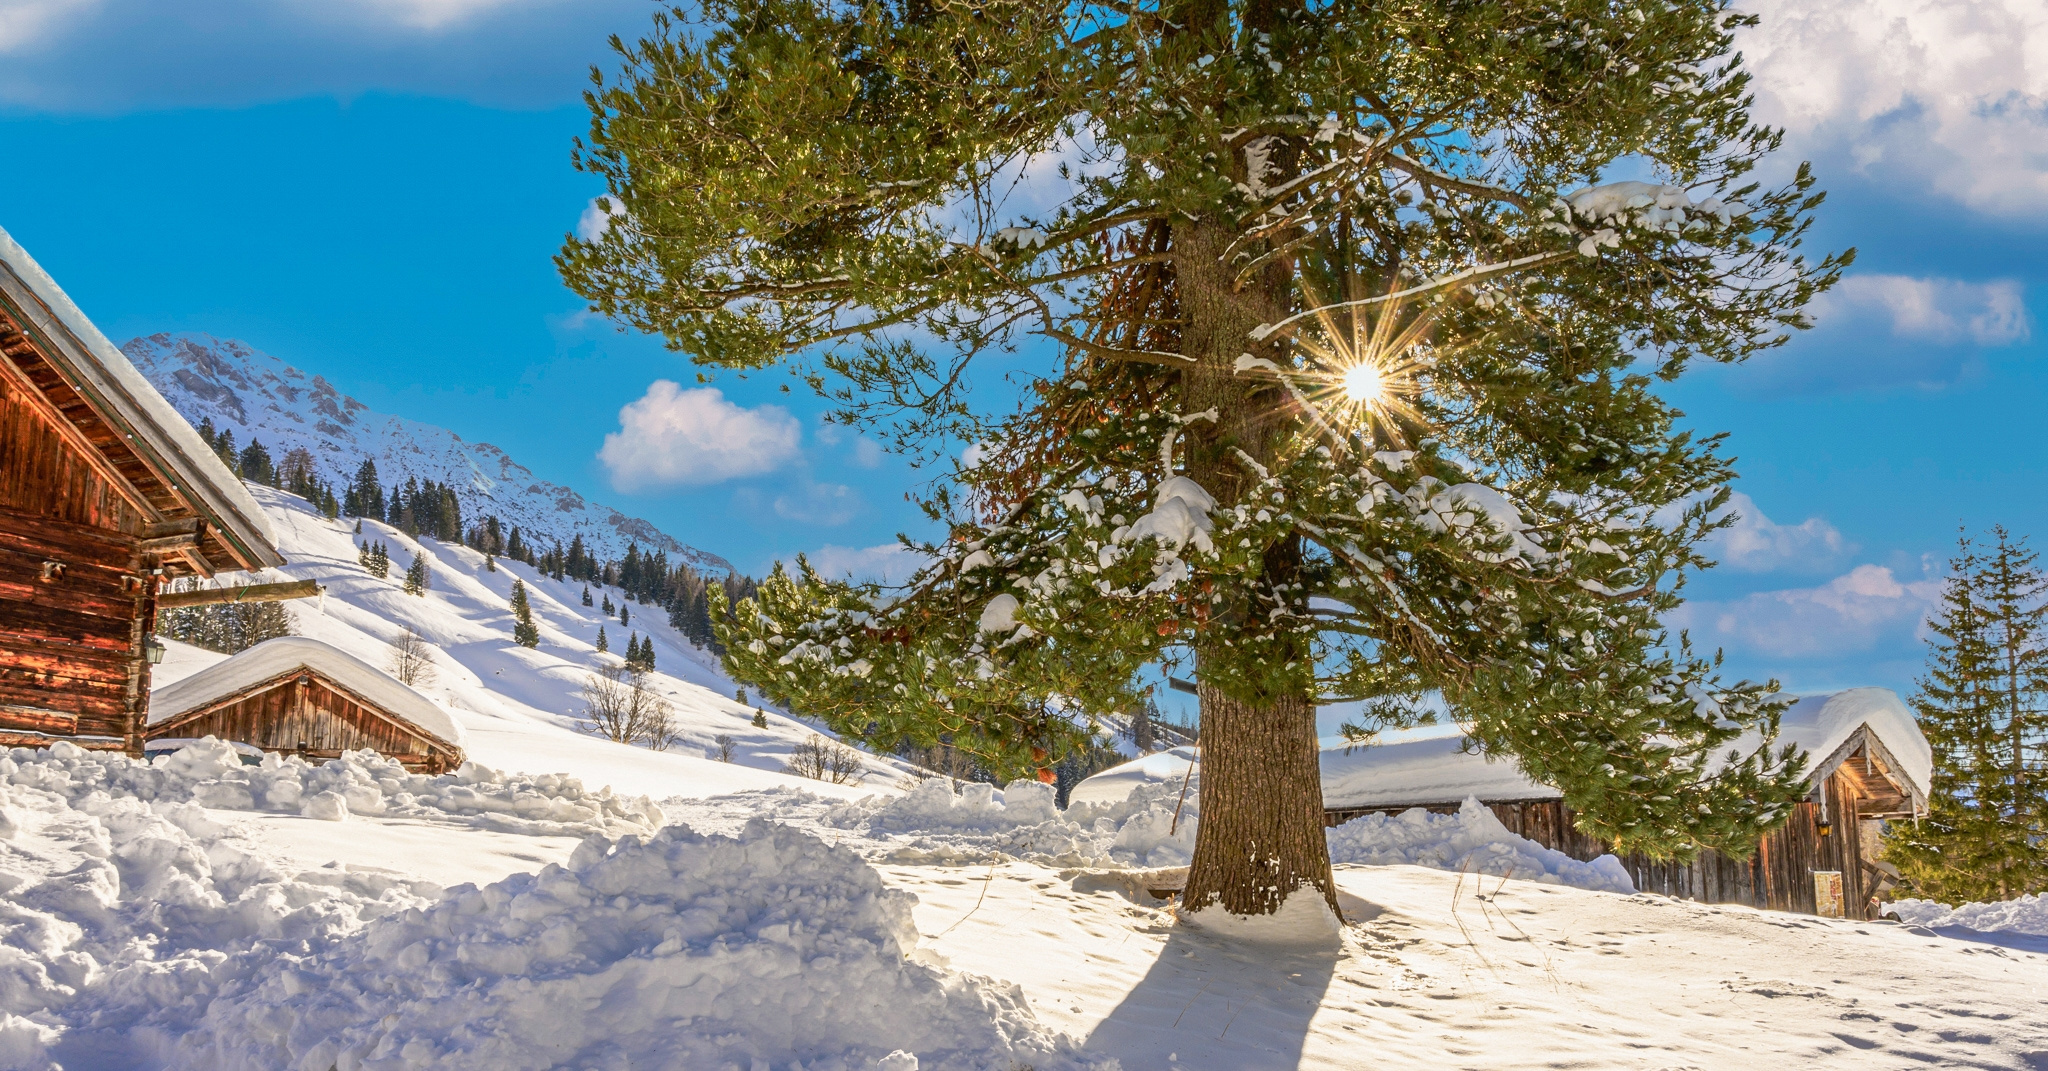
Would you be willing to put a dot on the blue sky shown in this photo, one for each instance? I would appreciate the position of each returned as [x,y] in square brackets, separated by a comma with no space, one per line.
[372,191]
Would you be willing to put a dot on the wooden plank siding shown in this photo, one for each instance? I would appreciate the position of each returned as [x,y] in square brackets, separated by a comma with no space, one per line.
[1779,875]
[75,600]
[305,713]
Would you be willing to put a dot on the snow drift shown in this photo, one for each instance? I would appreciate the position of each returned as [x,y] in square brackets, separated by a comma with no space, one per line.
[771,949]
[2027,914]
[935,823]
[1471,840]
[211,774]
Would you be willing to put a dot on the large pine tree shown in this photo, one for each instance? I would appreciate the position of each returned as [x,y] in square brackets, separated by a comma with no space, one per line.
[1343,383]
[1984,707]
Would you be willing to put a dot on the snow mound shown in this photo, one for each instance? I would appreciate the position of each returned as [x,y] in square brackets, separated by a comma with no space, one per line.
[2028,914]
[772,949]
[934,823]
[122,917]
[1471,840]
[211,774]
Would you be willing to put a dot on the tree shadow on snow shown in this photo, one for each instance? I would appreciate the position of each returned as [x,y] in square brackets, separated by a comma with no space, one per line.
[1223,1005]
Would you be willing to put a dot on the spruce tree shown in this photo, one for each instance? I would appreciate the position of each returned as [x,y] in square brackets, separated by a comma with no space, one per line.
[524,632]
[603,644]
[417,579]
[1340,389]
[625,615]
[1981,705]
[586,595]
[490,562]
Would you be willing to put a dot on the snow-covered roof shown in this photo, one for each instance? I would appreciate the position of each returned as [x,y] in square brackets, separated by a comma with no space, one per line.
[135,407]
[1434,769]
[1118,782]
[1419,771]
[1825,725]
[274,658]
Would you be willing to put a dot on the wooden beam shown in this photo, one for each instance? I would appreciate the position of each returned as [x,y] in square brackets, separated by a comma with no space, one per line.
[295,589]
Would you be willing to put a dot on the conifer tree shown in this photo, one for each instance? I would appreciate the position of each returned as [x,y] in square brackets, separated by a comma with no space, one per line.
[490,562]
[625,615]
[602,643]
[524,632]
[255,464]
[1982,707]
[1348,397]
[586,595]
[760,719]
[417,579]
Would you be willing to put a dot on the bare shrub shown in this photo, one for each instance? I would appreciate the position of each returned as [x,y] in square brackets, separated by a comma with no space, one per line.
[412,659]
[726,745]
[823,760]
[619,705]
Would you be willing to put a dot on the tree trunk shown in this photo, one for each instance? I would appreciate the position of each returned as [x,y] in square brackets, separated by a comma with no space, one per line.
[1261,832]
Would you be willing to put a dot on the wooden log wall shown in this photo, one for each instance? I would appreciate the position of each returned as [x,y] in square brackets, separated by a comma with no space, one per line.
[311,719]
[74,603]
[1779,875]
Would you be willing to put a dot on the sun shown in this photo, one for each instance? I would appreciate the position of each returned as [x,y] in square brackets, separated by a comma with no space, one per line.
[1365,384]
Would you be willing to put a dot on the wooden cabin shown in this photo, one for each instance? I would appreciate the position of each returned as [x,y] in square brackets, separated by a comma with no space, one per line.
[298,696]
[105,494]
[1867,763]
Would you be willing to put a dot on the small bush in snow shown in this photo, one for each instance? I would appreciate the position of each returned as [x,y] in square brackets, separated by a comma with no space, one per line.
[412,658]
[619,705]
[823,760]
[726,744]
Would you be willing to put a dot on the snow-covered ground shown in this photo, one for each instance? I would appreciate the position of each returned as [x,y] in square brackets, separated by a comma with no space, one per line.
[569,902]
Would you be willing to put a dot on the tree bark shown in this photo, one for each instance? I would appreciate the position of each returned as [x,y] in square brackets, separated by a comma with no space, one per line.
[1260,836]
[1261,831]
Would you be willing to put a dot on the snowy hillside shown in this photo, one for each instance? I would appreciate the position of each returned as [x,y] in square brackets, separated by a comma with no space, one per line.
[517,705]
[258,396]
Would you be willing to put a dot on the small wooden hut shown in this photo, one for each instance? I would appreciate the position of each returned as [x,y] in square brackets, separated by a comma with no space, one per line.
[105,493]
[299,696]
[1867,763]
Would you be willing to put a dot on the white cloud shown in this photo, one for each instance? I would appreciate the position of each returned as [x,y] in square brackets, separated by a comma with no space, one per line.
[1854,612]
[823,504]
[26,22]
[866,453]
[435,14]
[1757,544]
[890,563]
[1949,95]
[672,437]
[1945,311]
[597,218]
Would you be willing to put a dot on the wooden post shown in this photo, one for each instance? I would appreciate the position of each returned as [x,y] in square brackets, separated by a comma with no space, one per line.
[139,633]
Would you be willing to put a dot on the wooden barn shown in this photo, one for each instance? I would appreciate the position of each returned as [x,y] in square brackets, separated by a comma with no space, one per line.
[1867,763]
[298,696]
[105,493]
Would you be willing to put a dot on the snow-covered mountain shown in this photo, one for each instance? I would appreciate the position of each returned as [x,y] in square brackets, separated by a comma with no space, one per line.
[259,396]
